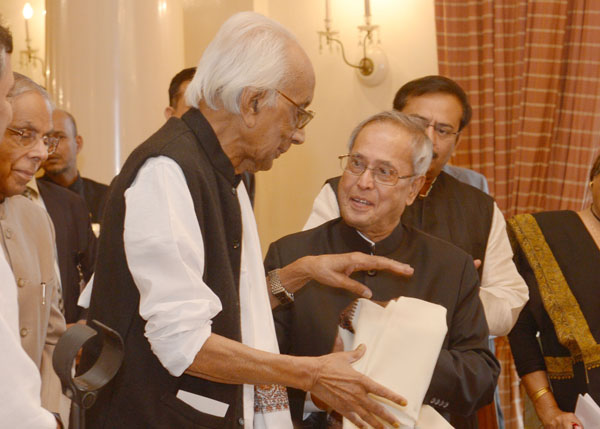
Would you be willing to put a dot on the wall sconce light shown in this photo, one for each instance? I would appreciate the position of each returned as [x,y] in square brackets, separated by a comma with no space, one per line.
[373,66]
[29,55]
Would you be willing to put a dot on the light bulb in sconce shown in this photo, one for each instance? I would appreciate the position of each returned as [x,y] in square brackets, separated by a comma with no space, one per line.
[162,7]
[27,11]
[29,55]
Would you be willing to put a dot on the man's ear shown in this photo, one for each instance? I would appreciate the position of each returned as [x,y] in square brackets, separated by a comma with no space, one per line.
[169,111]
[250,105]
[415,187]
[78,144]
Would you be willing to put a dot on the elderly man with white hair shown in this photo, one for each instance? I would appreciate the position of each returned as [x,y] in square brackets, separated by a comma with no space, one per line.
[383,171]
[28,246]
[179,271]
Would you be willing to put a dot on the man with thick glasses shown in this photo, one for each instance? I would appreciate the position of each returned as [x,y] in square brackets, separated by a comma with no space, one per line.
[28,234]
[383,172]
[179,272]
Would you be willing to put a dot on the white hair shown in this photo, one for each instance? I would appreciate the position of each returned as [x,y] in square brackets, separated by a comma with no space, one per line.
[422,147]
[24,84]
[249,50]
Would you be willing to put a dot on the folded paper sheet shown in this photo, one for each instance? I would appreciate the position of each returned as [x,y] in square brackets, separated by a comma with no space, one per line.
[588,411]
[403,344]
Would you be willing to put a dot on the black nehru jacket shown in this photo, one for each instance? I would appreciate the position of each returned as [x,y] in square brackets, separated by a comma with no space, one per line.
[465,375]
[92,192]
[143,393]
[453,211]
[75,243]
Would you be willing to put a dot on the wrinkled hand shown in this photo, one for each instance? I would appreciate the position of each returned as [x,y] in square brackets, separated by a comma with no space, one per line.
[557,419]
[338,346]
[335,270]
[347,391]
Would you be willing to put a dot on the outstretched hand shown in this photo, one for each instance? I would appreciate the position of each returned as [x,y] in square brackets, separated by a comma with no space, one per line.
[349,392]
[335,270]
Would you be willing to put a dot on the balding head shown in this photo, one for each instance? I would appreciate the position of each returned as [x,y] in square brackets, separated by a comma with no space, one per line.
[61,166]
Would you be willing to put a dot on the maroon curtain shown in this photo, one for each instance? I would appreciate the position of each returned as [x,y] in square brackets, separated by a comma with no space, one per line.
[532,72]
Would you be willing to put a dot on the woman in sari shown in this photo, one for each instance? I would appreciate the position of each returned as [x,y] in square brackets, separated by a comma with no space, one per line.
[558,255]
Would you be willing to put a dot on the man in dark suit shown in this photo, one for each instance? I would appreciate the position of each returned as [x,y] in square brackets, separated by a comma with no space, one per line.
[75,242]
[383,173]
[61,166]
[447,208]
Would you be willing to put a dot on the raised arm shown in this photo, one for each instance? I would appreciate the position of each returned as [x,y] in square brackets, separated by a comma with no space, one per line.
[335,271]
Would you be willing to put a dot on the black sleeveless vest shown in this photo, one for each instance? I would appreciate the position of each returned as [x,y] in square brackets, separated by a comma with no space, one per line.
[143,392]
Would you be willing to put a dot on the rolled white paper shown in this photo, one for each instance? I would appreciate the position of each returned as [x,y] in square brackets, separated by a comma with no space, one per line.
[403,343]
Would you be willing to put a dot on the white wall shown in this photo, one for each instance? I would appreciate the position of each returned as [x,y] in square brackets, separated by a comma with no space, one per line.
[110,63]
[285,193]
[202,19]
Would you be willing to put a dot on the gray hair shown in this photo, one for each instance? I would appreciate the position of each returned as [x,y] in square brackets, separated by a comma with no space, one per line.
[249,50]
[24,84]
[421,144]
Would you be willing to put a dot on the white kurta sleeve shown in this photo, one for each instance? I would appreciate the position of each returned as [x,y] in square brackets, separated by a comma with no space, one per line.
[503,291]
[165,255]
[324,208]
[20,402]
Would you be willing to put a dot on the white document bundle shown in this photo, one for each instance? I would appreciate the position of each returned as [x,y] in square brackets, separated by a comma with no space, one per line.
[588,412]
[403,343]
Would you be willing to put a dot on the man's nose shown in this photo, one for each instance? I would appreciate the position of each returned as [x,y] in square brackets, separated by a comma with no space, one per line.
[430,131]
[39,151]
[298,136]
[366,180]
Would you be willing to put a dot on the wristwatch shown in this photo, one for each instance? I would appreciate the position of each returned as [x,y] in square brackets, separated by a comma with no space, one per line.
[277,289]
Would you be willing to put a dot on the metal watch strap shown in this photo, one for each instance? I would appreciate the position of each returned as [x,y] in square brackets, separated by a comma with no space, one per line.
[277,288]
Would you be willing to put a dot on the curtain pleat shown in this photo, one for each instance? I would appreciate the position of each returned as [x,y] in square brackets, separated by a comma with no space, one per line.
[532,73]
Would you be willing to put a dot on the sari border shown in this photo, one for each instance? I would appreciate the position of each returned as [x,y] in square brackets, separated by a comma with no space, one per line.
[571,328]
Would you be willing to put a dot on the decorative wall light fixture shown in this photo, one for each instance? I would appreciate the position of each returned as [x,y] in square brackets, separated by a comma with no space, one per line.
[29,55]
[373,65]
